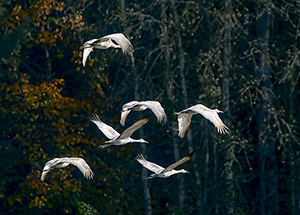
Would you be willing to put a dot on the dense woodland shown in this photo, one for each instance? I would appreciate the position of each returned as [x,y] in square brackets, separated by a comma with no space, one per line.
[241,57]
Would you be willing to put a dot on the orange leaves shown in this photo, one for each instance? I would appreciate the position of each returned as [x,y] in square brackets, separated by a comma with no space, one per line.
[74,20]
[43,8]
[41,96]
[37,202]
[14,18]
[52,26]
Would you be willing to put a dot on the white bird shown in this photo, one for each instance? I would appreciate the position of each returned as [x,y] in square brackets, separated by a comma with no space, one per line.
[154,106]
[160,171]
[64,162]
[114,136]
[184,118]
[117,40]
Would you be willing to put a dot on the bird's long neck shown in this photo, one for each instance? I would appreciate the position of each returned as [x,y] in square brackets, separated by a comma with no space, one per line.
[138,140]
[105,145]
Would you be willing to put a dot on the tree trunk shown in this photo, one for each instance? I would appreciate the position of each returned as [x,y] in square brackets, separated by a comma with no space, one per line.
[226,94]
[146,192]
[268,183]
[171,97]
[185,100]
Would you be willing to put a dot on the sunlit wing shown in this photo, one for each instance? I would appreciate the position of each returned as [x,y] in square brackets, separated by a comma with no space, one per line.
[83,167]
[86,53]
[216,120]
[149,165]
[137,125]
[50,165]
[107,130]
[181,161]
[212,116]
[121,40]
[157,109]
[184,121]
[64,162]
[124,115]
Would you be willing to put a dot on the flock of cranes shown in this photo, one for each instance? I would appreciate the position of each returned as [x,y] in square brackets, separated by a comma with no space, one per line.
[118,40]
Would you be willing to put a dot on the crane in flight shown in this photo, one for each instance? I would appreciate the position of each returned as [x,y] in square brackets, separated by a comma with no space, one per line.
[117,40]
[184,118]
[163,172]
[154,106]
[64,162]
[114,137]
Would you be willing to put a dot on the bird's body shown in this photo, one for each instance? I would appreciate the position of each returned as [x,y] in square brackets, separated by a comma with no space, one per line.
[161,172]
[64,162]
[184,118]
[114,136]
[154,106]
[117,40]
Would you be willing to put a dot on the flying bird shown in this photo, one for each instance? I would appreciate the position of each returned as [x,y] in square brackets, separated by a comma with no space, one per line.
[160,171]
[117,40]
[184,118]
[154,106]
[64,162]
[116,138]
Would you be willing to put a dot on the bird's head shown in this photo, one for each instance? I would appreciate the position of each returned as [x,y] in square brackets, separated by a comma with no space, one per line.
[218,111]
[143,141]
[184,171]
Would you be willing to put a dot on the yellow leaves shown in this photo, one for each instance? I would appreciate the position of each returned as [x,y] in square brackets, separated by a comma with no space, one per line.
[99,90]
[15,198]
[45,37]
[37,96]
[38,202]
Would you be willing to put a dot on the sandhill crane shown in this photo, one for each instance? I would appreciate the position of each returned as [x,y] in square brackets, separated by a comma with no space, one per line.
[117,40]
[154,106]
[64,162]
[114,136]
[160,171]
[184,118]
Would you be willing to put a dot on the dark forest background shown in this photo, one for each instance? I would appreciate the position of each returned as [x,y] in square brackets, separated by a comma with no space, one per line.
[241,57]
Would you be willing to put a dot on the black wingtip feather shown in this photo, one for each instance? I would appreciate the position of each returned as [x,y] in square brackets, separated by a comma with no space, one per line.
[191,154]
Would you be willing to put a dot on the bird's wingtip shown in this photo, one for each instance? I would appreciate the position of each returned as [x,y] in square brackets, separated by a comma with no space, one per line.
[191,154]
[94,117]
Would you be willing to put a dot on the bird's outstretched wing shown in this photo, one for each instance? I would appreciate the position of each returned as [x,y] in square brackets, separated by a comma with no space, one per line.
[121,40]
[181,161]
[215,119]
[154,106]
[82,166]
[184,121]
[51,164]
[87,48]
[86,53]
[124,114]
[64,162]
[137,125]
[211,115]
[157,109]
[149,165]
[126,108]
[107,130]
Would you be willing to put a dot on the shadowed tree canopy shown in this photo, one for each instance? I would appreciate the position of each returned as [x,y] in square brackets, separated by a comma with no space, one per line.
[241,57]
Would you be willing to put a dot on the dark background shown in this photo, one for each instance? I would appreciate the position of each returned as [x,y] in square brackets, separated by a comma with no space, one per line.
[241,57]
